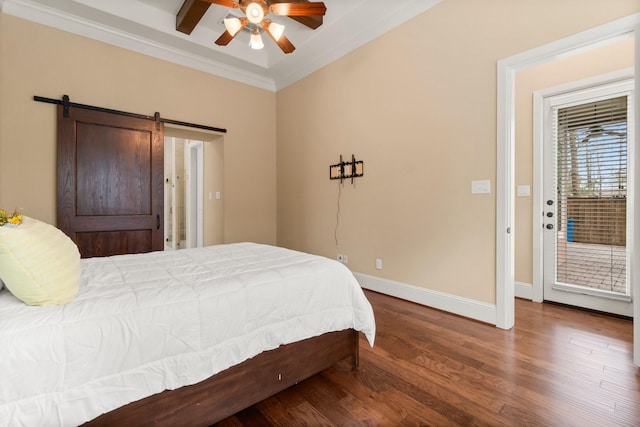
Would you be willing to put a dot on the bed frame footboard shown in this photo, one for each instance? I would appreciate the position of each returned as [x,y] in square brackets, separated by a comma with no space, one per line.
[238,387]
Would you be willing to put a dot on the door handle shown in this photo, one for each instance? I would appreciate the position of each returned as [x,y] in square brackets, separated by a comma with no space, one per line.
[549,226]
[550,214]
[158,221]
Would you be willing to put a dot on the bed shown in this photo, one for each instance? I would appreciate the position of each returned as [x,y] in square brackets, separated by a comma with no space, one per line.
[188,337]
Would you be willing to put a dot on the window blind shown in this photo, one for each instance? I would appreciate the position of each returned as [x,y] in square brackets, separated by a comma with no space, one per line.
[591,174]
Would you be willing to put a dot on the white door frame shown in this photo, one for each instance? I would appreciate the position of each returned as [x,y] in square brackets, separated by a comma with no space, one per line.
[194,193]
[170,227]
[507,68]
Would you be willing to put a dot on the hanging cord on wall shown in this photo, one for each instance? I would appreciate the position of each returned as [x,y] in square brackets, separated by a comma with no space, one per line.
[335,232]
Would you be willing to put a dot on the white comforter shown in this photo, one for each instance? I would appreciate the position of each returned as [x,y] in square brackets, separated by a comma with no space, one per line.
[145,323]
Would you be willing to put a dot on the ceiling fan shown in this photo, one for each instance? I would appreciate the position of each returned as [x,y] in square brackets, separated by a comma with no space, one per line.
[255,11]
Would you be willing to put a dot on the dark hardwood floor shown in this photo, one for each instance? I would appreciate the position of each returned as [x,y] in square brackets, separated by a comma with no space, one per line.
[557,367]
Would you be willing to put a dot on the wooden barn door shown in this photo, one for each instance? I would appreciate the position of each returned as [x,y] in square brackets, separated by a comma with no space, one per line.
[110,182]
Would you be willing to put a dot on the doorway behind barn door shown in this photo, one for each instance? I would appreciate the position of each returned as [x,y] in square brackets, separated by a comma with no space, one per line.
[184,194]
[193,183]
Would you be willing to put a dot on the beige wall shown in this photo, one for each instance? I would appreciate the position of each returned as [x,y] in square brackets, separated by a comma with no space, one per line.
[418,105]
[592,63]
[214,182]
[38,60]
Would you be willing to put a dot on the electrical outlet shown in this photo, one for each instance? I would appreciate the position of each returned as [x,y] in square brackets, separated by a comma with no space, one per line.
[342,258]
[378,264]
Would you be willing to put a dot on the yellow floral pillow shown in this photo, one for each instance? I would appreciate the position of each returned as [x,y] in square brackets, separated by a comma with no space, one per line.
[39,264]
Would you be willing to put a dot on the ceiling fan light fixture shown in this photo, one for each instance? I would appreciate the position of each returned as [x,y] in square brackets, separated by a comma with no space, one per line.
[233,25]
[276,30]
[255,13]
[256,40]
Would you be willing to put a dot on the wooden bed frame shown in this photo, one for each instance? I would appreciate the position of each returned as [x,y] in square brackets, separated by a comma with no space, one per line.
[238,387]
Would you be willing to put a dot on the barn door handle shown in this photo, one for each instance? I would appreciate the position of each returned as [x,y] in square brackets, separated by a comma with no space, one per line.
[158,221]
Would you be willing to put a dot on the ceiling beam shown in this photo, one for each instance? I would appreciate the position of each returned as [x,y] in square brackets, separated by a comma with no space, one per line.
[190,14]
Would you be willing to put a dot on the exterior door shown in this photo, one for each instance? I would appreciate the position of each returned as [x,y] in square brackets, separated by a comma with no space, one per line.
[110,182]
[587,184]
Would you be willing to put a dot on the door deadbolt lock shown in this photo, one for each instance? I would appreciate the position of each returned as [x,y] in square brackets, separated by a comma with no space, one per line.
[549,226]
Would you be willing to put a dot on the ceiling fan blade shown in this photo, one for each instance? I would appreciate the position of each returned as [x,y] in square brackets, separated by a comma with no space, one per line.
[312,22]
[226,37]
[282,42]
[190,14]
[299,9]
[225,3]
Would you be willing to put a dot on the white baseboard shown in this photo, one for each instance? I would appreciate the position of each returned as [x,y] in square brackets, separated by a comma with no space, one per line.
[473,309]
[524,290]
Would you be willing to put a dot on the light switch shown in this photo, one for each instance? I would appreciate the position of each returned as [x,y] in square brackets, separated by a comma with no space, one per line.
[481,187]
[217,195]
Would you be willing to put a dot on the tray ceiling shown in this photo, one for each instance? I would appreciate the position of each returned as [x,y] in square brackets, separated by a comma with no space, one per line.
[148,27]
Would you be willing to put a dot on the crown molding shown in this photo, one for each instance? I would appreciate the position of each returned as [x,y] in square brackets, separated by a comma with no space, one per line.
[155,36]
[66,22]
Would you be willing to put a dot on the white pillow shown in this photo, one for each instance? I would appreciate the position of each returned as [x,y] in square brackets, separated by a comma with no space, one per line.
[39,264]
